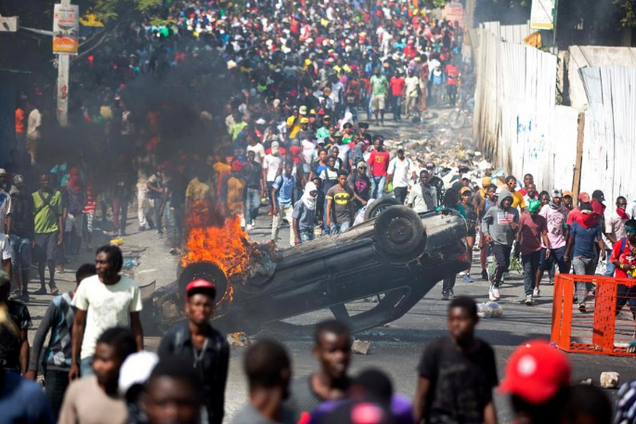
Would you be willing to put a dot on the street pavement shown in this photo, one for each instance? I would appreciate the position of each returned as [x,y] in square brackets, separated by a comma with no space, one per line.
[395,348]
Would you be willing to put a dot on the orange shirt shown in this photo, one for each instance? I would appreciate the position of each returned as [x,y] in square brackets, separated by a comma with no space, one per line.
[19,121]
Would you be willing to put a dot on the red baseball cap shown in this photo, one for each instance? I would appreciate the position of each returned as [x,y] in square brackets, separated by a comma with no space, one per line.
[584,197]
[201,286]
[536,371]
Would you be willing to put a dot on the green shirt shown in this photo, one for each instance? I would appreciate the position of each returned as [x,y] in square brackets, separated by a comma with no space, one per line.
[46,213]
[237,128]
[379,85]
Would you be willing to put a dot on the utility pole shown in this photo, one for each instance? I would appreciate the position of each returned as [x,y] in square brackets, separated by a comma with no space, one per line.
[62,83]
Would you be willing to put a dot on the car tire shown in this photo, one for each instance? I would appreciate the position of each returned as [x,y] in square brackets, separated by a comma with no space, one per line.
[378,206]
[400,233]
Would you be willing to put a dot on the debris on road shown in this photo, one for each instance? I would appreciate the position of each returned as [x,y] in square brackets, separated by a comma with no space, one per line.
[609,380]
[360,346]
[238,339]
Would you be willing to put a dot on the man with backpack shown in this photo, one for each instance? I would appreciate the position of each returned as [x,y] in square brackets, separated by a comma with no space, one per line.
[47,215]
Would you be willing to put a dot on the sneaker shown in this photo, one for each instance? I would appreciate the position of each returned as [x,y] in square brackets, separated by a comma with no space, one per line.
[25,297]
[16,294]
[495,292]
[445,295]
[484,275]
[160,235]
[142,228]
[249,227]
[59,268]
[536,292]
[452,294]
[41,291]
[468,278]
[54,289]
[174,251]
[582,307]
[529,300]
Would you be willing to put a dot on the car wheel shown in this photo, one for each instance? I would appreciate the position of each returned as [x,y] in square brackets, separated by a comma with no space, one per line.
[378,206]
[400,232]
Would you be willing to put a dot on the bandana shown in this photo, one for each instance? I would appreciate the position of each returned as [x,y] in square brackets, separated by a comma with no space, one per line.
[586,220]
[621,212]
[534,206]
[307,199]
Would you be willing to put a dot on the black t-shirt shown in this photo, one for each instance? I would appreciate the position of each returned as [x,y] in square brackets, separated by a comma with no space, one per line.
[461,382]
[19,319]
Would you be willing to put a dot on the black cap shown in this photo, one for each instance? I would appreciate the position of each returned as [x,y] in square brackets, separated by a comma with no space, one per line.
[598,195]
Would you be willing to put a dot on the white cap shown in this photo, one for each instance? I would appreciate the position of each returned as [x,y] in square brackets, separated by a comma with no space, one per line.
[136,369]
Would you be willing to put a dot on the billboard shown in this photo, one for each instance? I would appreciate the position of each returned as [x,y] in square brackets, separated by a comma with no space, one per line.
[543,14]
[65,29]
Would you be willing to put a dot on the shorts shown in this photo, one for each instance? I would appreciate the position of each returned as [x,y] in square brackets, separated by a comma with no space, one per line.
[21,253]
[377,103]
[46,246]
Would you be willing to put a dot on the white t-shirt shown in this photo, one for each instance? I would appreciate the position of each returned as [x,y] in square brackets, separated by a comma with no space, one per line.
[309,150]
[272,164]
[5,208]
[107,305]
[5,247]
[33,124]
[259,152]
[411,86]
[401,171]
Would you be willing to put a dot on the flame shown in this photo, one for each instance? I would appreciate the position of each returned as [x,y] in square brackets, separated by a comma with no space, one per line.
[223,243]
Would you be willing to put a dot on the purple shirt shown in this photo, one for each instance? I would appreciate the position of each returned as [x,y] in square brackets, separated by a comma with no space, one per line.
[401,409]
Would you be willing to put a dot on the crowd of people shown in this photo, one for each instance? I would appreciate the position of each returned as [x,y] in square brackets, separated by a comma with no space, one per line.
[96,369]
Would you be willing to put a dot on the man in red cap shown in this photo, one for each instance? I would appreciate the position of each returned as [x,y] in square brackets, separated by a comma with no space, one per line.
[537,380]
[198,340]
[574,213]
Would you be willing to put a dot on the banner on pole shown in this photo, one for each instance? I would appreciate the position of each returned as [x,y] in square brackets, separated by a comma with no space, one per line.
[65,29]
[542,14]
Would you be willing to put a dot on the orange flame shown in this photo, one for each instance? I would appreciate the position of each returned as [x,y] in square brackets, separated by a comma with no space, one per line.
[224,246]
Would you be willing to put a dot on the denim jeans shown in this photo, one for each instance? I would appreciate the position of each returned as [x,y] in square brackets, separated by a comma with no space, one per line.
[397,108]
[556,255]
[377,187]
[448,284]
[400,193]
[174,225]
[339,228]
[306,236]
[530,268]
[583,266]
[610,267]
[502,257]
[21,253]
[86,367]
[252,203]
[56,384]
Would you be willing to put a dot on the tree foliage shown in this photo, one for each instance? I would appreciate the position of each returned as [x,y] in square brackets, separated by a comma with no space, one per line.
[627,11]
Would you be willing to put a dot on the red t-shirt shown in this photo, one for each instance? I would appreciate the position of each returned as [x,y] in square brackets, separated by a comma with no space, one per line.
[379,162]
[451,74]
[397,86]
[626,256]
[531,230]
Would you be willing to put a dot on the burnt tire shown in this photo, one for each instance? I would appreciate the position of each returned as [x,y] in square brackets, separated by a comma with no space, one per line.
[378,206]
[400,233]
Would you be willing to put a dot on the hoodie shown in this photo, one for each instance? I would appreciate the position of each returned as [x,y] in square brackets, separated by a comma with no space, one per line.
[496,222]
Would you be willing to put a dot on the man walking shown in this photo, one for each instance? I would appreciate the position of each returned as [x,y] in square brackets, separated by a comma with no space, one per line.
[304,215]
[197,339]
[533,229]
[401,173]
[397,91]
[379,90]
[556,215]
[500,225]
[614,229]
[379,164]
[48,227]
[458,373]
[101,302]
[339,213]
[584,235]
[253,189]
[282,201]
[22,235]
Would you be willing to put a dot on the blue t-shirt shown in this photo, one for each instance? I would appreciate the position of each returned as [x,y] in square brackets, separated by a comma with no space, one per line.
[285,188]
[23,401]
[585,240]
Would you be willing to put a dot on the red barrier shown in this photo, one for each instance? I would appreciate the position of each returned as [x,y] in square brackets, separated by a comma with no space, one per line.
[606,325]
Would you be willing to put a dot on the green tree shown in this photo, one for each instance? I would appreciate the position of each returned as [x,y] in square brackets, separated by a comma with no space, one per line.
[627,11]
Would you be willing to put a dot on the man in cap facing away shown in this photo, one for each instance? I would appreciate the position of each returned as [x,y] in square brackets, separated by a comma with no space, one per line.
[206,347]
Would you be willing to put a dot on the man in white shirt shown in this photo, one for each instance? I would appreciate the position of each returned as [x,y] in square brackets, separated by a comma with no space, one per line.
[5,206]
[400,173]
[103,301]
[256,147]
[410,94]
[34,122]
[272,167]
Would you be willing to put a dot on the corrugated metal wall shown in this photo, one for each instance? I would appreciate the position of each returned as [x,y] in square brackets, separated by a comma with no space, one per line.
[516,120]
[609,149]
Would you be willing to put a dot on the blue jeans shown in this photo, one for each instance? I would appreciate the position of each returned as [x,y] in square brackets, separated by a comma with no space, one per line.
[306,236]
[86,367]
[530,267]
[377,187]
[610,267]
[252,203]
[339,228]
[21,253]
[175,225]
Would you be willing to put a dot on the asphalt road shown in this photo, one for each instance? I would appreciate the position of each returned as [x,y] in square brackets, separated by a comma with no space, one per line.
[395,348]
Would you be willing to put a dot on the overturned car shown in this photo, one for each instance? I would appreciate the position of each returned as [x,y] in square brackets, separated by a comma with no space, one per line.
[396,256]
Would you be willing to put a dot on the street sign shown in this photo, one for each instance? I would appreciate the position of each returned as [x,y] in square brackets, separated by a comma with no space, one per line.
[65,29]
[543,14]
[9,23]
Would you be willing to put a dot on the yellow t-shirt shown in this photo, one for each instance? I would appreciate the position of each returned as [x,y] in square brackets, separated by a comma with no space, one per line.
[235,194]
[517,200]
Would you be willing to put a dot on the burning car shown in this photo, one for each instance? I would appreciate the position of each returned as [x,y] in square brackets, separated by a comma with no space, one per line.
[396,256]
